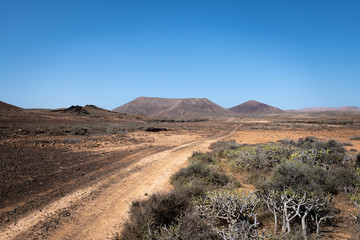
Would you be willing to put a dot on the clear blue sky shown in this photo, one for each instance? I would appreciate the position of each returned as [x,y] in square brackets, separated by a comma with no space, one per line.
[289,54]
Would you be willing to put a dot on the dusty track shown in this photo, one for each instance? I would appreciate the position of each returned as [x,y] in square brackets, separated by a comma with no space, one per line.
[99,210]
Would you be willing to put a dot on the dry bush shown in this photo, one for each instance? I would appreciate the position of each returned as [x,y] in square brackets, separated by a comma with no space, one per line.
[231,215]
[291,208]
[355,199]
[148,217]
[190,226]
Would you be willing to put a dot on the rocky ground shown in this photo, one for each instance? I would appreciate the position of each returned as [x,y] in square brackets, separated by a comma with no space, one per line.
[66,175]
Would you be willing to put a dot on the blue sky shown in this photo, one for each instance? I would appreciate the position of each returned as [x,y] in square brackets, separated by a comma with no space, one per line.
[289,54]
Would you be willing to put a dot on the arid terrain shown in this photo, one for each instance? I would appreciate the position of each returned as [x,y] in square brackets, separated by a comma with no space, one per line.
[73,173]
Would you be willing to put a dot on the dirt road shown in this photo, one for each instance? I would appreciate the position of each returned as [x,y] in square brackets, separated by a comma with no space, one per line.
[99,210]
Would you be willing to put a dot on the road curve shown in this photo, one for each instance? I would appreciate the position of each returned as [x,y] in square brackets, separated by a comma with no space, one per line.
[99,210]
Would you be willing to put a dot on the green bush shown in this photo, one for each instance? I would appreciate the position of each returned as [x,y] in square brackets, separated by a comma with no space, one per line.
[207,158]
[300,177]
[259,156]
[222,147]
[343,178]
[199,172]
[311,142]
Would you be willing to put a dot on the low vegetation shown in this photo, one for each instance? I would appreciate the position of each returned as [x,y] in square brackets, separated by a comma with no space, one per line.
[293,200]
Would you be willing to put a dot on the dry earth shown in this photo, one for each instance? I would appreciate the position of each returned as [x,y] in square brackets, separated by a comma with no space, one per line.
[97,210]
[261,136]
[55,184]
[345,228]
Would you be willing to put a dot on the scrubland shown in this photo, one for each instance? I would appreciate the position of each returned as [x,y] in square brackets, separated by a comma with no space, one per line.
[287,189]
[66,175]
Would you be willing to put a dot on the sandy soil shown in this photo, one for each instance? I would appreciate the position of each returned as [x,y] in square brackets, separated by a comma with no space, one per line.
[264,136]
[344,218]
[57,184]
[98,210]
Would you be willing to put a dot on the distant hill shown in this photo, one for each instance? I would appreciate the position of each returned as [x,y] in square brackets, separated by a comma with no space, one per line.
[98,112]
[6,106]
[171,108]
[325,109]
[255,107]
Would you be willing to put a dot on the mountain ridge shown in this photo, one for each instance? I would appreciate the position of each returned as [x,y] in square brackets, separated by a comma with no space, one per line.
[174,108]
[254,107]
[7,106]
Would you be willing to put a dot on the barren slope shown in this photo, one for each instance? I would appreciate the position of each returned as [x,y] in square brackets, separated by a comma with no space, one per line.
[6,106]
[255,107]
[168,108]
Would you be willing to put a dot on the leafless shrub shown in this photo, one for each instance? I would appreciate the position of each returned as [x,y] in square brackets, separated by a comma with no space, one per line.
[355,199]
[291,207]
[231,215]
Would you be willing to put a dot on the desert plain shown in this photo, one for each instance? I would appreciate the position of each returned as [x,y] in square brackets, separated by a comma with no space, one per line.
[72,173]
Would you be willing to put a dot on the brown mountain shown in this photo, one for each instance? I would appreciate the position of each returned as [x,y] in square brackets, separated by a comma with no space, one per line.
[171,108]
[6,106]
[255,107]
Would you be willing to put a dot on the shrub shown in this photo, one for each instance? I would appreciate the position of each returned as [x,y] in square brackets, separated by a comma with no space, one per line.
[307,142]
[357,161]
[300,177]
[190,226]
[147,217]
[198,171]
[260,156]
[222,147]
[343,178]
[311,142]
[231,215]
[287,142]
[321,153]
[355,138]
[312,156]
[295,235]
[334,146]
[80,131]
[294,208]
[207,158]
